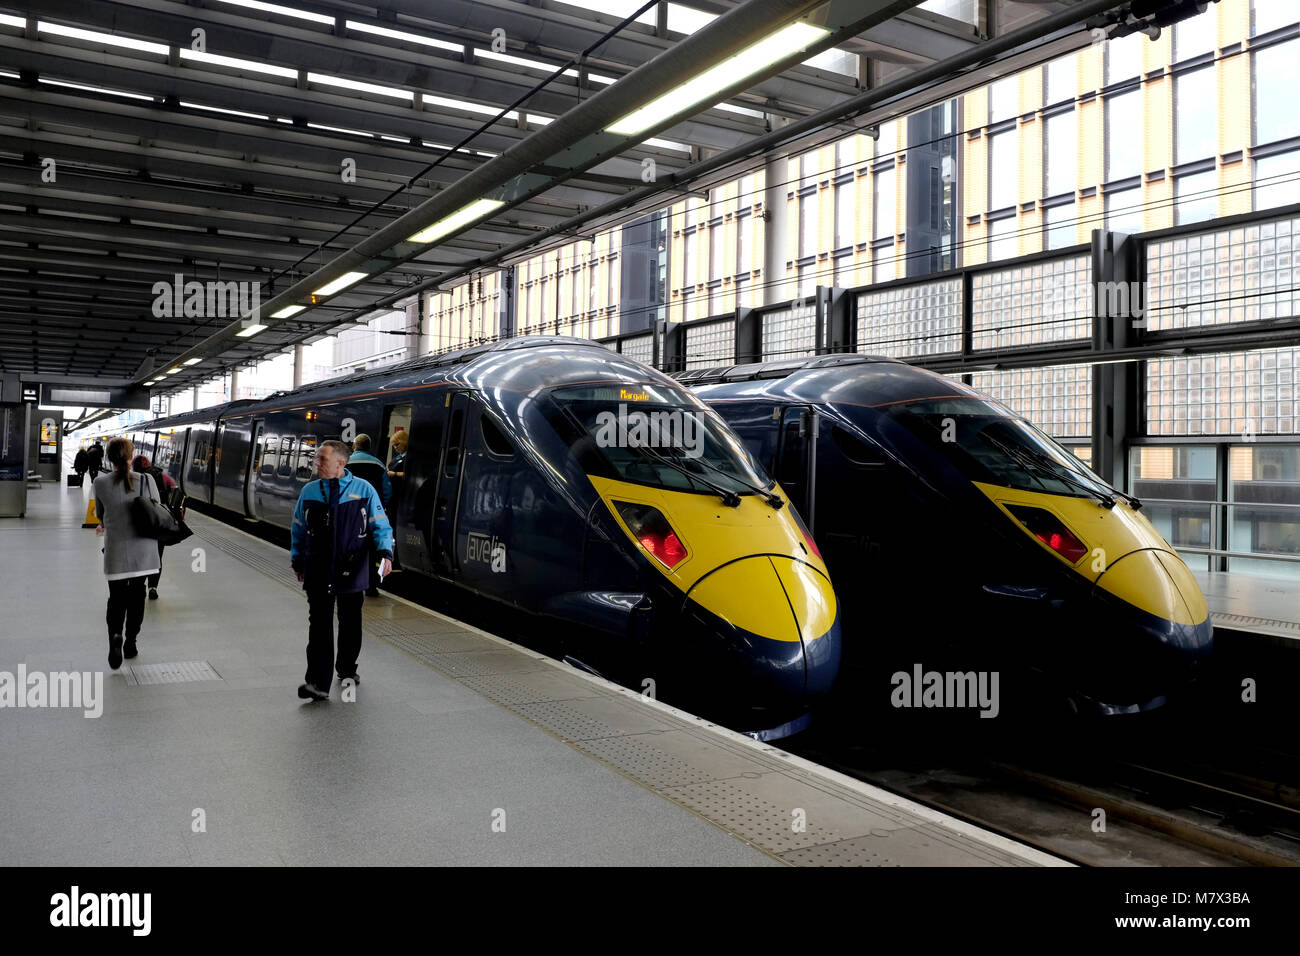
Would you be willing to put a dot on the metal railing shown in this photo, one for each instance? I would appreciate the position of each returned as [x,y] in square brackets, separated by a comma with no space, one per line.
[1214,550]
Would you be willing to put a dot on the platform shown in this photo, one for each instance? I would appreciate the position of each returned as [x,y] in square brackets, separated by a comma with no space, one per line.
[1252,603]
[453,730]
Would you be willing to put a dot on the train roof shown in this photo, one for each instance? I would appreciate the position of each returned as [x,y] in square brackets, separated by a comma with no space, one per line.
[470,366]
[847,379]
[771,370]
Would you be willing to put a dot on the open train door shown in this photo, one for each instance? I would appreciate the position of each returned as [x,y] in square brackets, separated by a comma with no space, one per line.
[446,499]
[796,460]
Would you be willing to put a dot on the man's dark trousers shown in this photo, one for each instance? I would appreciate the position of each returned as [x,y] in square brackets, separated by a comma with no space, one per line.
[321,663]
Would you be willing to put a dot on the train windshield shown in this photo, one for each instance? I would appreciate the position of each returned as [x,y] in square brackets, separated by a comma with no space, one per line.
[657,435]
[991,445]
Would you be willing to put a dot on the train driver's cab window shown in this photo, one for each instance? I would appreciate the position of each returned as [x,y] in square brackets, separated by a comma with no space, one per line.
[855,449]
[496,443]
[286,458]
[306,457]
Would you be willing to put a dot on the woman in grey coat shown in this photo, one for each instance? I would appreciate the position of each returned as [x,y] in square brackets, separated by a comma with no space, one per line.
[129,559]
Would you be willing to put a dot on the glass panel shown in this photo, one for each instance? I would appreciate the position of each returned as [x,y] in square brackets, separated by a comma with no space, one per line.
[639,348]
[1272,15]
[1123,136]
[1277,76]
[1062,172]
[885,196]
[1277,180]
[1264,485]
[1031,304]
[1195,118]
[844,231]
[1060,226]
[1243,393]
[1194,36]
[1173,482]
[1004,99]
[920,319]
[1124,210]
[1241,274]
[1196,197]
[1124,57]
[1058,400]
[1003,170]
[1003,241]
[711,344]
[882,264]
[1062,79]
[789,332]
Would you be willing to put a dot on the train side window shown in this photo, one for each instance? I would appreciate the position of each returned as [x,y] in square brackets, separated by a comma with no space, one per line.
[855,449]
[306,457]
[286,458]
[269,458]
[496,443]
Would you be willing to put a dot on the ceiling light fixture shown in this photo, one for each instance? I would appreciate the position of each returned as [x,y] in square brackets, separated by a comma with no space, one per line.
[478,209]
[705,87]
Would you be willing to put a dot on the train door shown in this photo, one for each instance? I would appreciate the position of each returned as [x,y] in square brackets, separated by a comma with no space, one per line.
[446,499]
[397,420]
[257,450]
[796,460]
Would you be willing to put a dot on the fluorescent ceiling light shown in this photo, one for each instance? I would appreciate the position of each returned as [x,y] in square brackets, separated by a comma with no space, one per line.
[251,331]
[283,11]
[218,109]
[342,282]
[108,39]
[287,311]
[173,371]
[467,106]
[705,87]
[462,217]
[340,129]
[192,361]
[239,64]
[12,21]
[520,61]
[94,89]
[401,35]
[326,80]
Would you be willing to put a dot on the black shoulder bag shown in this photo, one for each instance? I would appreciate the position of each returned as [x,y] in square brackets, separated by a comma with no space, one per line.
[152,519]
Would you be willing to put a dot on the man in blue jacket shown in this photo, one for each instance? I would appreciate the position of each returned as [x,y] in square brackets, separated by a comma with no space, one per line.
[339,520]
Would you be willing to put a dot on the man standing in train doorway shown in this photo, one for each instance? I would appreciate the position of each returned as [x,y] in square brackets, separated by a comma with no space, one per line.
[338,522]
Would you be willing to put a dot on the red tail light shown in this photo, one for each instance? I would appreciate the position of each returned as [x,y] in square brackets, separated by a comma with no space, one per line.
[651,528]
[1049,529]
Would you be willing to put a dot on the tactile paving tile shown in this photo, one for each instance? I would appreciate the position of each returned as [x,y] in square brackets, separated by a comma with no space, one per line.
[639,758]
[1246,622]
[177,673]
[532,688]
[564,720]
[911,846]
[752,818]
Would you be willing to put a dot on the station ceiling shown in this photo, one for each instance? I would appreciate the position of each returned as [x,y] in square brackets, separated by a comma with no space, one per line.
[141,140]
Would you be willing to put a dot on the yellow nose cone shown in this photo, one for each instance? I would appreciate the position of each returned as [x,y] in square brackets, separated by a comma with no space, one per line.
[1150,580]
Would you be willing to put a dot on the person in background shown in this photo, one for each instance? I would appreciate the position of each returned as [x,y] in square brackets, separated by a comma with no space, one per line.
[129,559]
[337,522]
[81,462]
[397,464]
[166,483]
[364,465]
[95,459]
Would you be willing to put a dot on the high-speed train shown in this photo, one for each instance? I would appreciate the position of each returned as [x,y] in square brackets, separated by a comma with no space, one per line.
[556,476]
[942,514]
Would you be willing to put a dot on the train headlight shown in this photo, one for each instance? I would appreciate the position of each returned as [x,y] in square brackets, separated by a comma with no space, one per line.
[1050,530]
[651,528]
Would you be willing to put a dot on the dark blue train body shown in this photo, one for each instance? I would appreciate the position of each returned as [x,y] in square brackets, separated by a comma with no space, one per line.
[947,520]
[644,570]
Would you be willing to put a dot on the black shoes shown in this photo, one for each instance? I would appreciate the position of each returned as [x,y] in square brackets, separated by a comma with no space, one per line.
[372,592]
[115,651]
[128,649]
[312,692]
[153,596]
